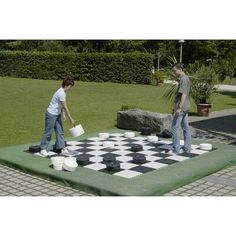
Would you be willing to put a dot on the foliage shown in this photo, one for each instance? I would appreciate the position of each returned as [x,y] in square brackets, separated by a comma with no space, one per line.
[99,67]
[157,77]
[203,79]
[224,68]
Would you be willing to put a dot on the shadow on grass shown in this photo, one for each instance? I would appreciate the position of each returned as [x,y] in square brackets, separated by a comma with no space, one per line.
[228,93]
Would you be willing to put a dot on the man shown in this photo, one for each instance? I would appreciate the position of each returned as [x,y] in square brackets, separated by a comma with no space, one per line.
[180,111]
[56,108]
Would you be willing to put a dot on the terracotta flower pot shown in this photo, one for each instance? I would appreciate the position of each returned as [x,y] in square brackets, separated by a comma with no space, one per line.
[203,109]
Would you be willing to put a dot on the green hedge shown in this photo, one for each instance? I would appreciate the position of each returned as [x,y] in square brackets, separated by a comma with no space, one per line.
[97,67]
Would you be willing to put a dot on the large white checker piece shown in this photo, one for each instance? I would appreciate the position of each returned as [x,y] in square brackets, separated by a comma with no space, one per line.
[156,158]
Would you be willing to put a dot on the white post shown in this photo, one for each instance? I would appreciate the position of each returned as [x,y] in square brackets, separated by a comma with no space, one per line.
[181,50]
[158,60]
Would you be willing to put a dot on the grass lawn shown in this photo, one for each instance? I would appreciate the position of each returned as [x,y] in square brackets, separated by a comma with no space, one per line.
[94,105]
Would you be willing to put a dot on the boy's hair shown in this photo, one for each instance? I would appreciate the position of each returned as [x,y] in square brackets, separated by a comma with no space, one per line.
[67,82]
[178,66]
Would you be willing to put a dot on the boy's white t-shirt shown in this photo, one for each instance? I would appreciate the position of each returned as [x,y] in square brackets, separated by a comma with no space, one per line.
[55,105]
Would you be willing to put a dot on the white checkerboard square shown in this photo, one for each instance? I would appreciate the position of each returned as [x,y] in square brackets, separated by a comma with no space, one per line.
[124,158]
[96,166]
[154,165]
[96,153]
[96,147]
[117,138]
[152,158]
[140,138]
[120,143]
[177,158]
[127,165]
[198,151]
[122,147]
[95,139]
[127,173]
[73,143]
[146,152]
[139,142]
[122,152]
[116,134]
[73,148]
[96,159]
[164,142]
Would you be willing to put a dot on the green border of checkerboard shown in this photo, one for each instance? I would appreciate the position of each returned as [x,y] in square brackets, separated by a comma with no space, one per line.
[153,183]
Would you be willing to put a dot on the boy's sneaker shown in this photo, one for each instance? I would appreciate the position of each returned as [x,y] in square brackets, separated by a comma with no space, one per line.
[44,153]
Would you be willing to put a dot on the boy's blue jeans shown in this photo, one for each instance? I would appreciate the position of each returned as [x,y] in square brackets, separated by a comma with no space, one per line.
[181,120]
[53,122]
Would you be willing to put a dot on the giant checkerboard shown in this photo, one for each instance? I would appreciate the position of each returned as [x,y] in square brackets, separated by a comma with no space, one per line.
[156,157]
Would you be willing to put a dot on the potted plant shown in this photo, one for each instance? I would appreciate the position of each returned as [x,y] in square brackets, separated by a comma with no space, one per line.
[158,77]
[203,79]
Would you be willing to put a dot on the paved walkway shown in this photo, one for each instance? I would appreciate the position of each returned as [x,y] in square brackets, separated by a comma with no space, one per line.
[16,183]
[224,87]
[221,183]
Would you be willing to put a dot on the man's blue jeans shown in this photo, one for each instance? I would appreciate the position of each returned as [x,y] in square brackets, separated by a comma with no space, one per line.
[181,120]
[53,122]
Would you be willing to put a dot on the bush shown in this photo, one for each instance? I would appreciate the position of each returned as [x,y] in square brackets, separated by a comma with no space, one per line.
[97,67]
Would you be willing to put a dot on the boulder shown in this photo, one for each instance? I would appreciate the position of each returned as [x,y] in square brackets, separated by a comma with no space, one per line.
[135,119]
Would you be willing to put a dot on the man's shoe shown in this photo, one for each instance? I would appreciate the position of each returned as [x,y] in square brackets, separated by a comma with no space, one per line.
[44,153]
[175,153]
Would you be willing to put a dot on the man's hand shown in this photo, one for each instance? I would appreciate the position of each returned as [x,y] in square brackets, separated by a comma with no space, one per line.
[178,112]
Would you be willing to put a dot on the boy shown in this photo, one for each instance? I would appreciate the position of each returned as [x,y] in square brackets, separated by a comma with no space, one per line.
[56,108]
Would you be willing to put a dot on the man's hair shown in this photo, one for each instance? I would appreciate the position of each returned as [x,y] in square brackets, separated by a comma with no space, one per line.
[67,82]
[178,66]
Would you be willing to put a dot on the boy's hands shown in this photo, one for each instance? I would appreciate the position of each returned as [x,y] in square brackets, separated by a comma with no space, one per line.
[63,116]
[72,121]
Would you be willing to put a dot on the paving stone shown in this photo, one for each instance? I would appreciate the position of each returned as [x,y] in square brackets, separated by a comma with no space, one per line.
[210,183]
[207,191]
[22,188]
[68,192]
[229,188]
[200,194]
[233,193]
[13,191]
[184,194]
[51,193]
[19,194]
[217,194]
[38,188]
[192,191]
[223,190]
[198,188]
[213,188]
[2,194]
